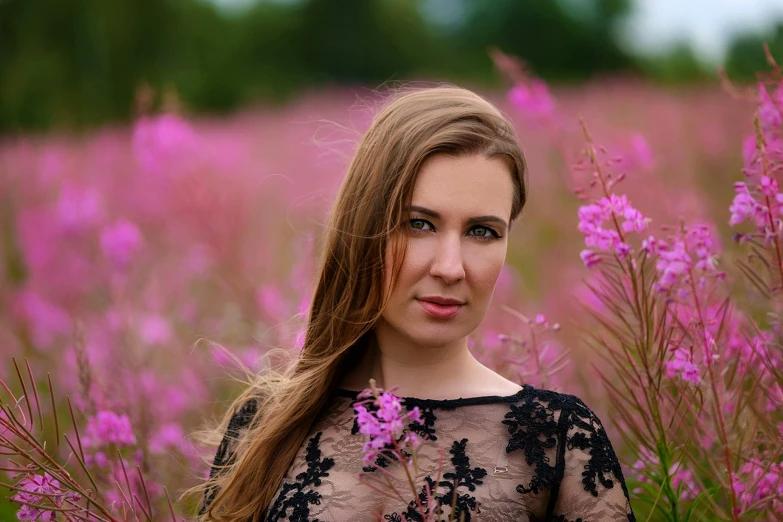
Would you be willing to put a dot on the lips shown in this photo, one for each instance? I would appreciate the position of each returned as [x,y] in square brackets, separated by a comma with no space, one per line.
[441,300]
[440,310]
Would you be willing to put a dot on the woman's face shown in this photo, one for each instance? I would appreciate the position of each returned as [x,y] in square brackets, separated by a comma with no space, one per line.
[457,235]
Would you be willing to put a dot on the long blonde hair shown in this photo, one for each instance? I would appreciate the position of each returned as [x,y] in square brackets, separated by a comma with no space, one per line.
[348,298]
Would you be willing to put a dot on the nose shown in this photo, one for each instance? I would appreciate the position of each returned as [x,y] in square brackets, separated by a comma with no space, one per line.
[447,260]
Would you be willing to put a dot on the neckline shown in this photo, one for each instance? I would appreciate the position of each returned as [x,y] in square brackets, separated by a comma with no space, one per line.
[447,403]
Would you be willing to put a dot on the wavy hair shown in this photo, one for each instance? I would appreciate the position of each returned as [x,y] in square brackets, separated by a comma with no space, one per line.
[349,296]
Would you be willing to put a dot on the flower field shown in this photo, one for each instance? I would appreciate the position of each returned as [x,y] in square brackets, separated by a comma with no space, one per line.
[141,265]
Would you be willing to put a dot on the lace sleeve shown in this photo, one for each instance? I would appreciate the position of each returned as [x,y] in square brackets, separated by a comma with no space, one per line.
[592,486]
[226,451]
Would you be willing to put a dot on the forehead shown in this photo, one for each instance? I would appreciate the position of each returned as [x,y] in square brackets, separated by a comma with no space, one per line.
[464,185]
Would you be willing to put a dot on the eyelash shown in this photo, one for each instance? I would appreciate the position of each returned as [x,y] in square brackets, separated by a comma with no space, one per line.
[494,235]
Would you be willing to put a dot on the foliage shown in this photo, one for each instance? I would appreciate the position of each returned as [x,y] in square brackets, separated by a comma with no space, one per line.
[78,63]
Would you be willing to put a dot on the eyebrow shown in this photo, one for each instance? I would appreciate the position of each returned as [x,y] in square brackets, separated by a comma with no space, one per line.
[471,221]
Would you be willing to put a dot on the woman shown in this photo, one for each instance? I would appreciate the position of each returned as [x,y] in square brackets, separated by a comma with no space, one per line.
[414,246]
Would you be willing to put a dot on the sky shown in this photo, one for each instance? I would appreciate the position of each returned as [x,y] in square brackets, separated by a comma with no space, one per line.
[656,25]
[707,25]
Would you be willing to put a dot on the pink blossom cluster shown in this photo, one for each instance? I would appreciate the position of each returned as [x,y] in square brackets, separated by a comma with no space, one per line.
[120,242]
[762,481]
[163,143]
[40,490]
[647,469]
[106,430]
[759,200]
[687,258]
[683,364]
[619,212]
[757,353]
[384,422]
[532,99]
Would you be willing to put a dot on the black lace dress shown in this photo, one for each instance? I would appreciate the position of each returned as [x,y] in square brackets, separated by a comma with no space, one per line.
[533,456]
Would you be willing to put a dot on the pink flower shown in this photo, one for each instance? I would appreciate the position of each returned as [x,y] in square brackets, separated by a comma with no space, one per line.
[589,258]
[683,364]
[676,264]
[384,423]
[672,265]
[105,428]
[634,220]
[154,329]
[36,490]
[532,99]
[79,208]
[650,246]
[767,481]
[160,143]
[641,151]
[622,250]
[169,436]
[769,187]
[272,301]
[120,242]
[683,478]
[770,107]
[744,207]
[591,223]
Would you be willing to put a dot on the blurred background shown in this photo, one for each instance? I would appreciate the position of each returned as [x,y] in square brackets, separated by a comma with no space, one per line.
[166,167]
[79,63]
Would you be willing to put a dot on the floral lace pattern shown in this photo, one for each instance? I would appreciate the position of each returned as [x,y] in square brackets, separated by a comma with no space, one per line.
[534,456]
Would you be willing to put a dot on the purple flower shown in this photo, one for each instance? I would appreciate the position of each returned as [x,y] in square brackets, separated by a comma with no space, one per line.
[384,422]
[79,208]
[634,220]
[622,250]
[591,223]
[35,490]
[767,484]
[589,258]
[120,242]
[650,246]
[162,143]
[169,436]
[641,151]
[770,107]
[108,428]
[676,264]
[744,207]
[672,265]
[154,329]
[532,99]
[683,364]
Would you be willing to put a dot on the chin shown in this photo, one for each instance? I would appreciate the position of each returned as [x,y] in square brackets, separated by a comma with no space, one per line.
[437,336]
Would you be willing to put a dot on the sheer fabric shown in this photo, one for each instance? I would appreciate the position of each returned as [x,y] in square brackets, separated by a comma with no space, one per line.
[533,456]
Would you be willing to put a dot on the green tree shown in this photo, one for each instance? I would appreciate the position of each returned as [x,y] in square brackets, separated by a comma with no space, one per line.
[746,53]
[558,40]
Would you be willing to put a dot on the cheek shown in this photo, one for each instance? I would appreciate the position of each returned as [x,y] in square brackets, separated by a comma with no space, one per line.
[485,270]
[409,274]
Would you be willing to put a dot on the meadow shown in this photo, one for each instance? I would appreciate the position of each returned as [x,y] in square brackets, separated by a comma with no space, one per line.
[141,263]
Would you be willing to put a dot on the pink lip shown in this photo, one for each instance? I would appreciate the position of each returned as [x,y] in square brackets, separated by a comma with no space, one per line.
[440,311]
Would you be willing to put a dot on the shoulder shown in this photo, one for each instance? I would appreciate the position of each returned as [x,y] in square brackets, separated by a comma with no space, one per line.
[241,418]
[243,414]
[538,400]
[553,413]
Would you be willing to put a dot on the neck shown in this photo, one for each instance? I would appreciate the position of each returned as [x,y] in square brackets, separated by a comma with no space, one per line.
[436,372]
